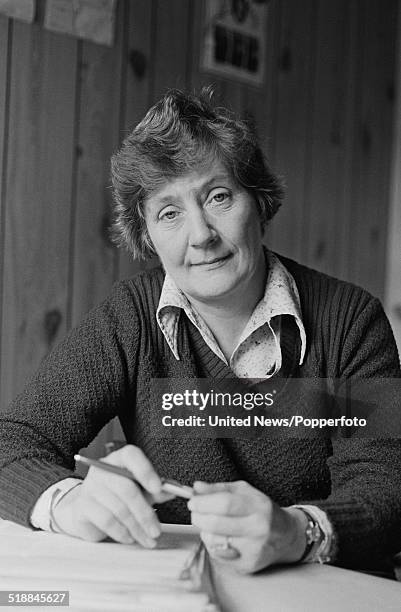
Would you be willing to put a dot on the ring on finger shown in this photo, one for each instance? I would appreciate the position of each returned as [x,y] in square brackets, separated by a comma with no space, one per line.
[224,549]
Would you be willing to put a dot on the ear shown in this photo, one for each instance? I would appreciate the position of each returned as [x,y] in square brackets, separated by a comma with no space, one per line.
[262,216]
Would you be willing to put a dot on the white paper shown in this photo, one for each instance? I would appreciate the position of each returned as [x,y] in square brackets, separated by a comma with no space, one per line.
[103,575]
[93,20]
[19,9]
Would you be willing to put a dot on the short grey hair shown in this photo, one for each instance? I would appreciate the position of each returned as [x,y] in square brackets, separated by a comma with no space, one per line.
[180,132]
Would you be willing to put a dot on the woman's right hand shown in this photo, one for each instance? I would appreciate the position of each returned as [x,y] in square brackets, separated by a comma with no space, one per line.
[108,505]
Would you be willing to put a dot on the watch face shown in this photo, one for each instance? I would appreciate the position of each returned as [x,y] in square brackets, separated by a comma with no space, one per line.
[313,532]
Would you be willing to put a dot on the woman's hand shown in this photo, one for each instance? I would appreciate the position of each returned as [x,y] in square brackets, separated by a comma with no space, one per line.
[262,532]
[108,505]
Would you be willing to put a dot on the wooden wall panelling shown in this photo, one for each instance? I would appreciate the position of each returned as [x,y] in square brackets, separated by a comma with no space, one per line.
[259,103]
[98,132]
[197,77]
[5,34]
[393,273]
[292,122]
[37,215]
[135,101]
[98,127]
[343,224]
[232,94]
[138,68]
[373,145]
[326,213]
[171,43]
[227,91]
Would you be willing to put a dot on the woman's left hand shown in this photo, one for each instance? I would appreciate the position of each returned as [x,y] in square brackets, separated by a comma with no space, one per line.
[262,532]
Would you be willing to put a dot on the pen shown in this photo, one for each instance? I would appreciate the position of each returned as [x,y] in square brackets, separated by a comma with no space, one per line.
[168,485]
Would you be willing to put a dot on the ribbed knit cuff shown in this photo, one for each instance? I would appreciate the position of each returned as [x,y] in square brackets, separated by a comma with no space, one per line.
[23,482]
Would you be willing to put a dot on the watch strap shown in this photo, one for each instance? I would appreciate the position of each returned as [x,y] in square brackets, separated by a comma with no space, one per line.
[313,535]
[320,541]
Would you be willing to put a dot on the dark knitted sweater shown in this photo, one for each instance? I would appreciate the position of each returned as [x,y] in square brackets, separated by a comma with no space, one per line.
[105,366]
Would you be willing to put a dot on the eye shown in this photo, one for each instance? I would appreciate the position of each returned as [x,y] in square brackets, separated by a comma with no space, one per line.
[219,197]
[168,214]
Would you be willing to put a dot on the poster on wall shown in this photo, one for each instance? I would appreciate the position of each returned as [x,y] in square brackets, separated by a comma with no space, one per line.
[19,9]
[90,19]
[234,39]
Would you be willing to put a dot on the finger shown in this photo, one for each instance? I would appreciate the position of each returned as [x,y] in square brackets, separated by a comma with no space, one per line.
[72,520]
[202,488]
[231,553]
[226,525]
[159,498]
[237,486]
[224,503]
[135,460]
[129,516]
[138,504]
[106,522]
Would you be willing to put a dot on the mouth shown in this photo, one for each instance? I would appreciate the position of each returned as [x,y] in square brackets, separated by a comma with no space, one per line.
[213,261]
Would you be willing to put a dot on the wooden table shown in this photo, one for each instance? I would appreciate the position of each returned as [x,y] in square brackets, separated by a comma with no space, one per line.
[106,577]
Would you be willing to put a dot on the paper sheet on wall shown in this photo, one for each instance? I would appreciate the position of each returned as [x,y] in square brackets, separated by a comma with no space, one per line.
[90,19]
[19,9]
[234,39]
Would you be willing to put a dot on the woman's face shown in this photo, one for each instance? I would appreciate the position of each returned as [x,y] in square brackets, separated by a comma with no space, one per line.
[206,230]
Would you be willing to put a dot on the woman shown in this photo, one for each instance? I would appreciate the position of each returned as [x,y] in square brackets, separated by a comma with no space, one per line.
[191,185]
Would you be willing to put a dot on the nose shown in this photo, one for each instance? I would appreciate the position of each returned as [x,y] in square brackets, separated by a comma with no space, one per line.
[200,231]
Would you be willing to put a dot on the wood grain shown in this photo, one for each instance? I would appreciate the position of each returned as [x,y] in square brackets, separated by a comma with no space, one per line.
[170,39]
[292,121]
[370,187]
[138,70]
[98,123]
[260,103]
[94,257]
[325,215]
[343,227]
[37,206]
[392,302]
[5,34]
